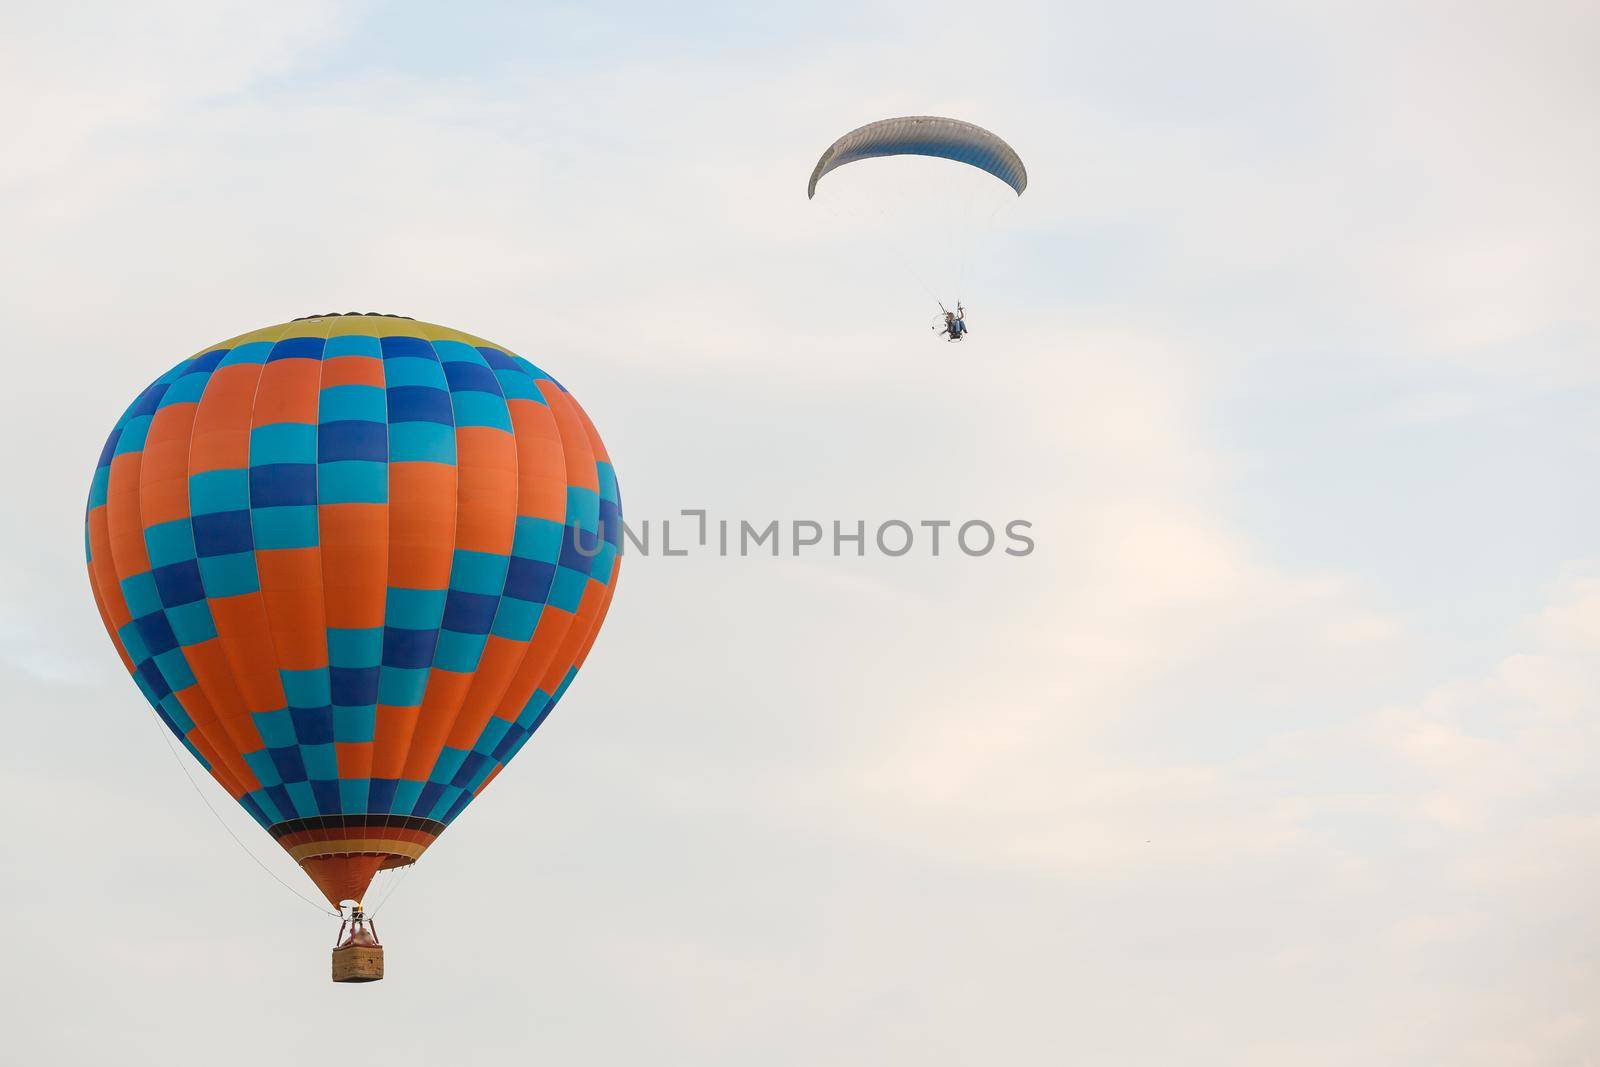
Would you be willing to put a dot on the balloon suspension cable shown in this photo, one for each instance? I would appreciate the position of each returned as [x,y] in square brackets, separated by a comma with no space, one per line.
[396,876]
[166,736]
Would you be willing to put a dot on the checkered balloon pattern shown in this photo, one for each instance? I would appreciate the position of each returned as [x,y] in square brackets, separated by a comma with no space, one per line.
[353,562]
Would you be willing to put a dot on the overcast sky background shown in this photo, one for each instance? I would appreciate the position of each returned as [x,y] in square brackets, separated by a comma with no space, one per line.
[1279,749]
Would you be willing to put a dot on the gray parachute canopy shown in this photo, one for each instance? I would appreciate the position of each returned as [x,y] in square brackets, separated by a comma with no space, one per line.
[925,135]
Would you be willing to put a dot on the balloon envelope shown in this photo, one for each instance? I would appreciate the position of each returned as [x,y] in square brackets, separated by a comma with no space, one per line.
[353,562]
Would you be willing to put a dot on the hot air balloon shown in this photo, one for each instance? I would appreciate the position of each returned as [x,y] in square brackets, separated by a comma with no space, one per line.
[353,562]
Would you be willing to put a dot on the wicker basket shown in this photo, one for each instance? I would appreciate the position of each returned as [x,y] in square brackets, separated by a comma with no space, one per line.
[358,963]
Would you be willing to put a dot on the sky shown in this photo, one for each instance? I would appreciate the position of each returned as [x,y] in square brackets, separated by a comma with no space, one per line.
[1278,748]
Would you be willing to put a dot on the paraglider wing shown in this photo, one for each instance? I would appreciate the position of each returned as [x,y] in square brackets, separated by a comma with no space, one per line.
[925,135]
